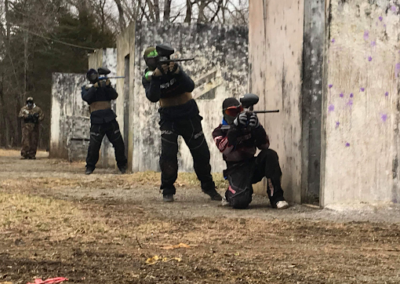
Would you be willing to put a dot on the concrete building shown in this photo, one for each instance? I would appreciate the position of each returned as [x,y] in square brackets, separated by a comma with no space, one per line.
[332,68]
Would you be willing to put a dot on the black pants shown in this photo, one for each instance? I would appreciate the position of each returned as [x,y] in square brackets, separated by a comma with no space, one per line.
[242,175]
[97,132]
[191,131]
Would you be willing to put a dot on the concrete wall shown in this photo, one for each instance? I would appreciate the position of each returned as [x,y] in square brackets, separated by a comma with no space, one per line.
[125,88]
[68,112]
[362,102]
[220,71]
[275,56]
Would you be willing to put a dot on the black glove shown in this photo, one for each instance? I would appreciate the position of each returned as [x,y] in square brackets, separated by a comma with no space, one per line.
[103,83]
[253,121]
[30,117]
[36,115]
[232,135]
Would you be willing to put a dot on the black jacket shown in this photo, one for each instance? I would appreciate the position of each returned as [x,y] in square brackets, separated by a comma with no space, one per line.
[171,85]
[168,85]
[99,94]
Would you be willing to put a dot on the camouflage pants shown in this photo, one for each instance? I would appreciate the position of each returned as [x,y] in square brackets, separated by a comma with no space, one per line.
[30,138]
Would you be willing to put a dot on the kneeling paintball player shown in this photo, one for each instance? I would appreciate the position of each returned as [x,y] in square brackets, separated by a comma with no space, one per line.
[237,138]
[32,115]
[169,85]
[102,118]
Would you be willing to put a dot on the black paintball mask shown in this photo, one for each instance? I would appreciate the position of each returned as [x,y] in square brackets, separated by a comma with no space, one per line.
[231,108]
[29,102]
[92,75]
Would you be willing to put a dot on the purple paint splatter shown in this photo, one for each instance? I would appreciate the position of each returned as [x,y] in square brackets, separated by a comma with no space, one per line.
[397,69]
[384,25]
[330,86]
[386,94]
[369,58]
[394,9]
[331,108]
[341,95]
[366,35]
[362,89]
[337,124]
[351,95]
[380,18]
[350,103]
[333,40]
[384,117]
[347,144]
[373,44]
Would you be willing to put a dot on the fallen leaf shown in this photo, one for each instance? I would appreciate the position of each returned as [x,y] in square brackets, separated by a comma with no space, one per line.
[181,245]
[152,260]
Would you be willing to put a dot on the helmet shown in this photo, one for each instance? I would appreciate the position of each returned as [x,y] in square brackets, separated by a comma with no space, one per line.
[29,99]
[92,75]
[231,107]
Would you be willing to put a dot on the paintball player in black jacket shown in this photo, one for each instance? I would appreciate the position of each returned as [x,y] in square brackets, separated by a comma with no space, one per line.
[179,115]
[103,122]
[237,138]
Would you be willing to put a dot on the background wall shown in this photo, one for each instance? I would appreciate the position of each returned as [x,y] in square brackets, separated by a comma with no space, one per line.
[219,71]
[361,102]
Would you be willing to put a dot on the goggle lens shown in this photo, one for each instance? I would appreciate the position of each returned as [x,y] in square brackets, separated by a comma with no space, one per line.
[233,110]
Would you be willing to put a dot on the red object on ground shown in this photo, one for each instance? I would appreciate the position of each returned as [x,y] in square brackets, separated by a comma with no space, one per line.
[50,280]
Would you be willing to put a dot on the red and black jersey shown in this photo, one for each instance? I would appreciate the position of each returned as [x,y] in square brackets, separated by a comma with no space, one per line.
[238,144]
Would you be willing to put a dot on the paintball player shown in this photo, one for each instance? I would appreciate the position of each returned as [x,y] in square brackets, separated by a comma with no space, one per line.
[237,139]
[102,118]
[32,115]
[169,85]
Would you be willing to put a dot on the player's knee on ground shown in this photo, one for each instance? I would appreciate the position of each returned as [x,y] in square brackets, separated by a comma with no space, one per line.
[241,201]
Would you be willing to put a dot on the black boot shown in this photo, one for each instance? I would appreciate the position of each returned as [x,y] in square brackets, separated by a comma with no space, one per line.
[89,170]
[213,194]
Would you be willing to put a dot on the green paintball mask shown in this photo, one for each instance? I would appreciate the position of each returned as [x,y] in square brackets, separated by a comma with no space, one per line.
[151,58]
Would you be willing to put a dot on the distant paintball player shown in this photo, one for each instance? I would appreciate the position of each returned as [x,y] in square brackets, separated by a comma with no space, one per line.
[102,118]
[169,85]
[237,139]
[31,115]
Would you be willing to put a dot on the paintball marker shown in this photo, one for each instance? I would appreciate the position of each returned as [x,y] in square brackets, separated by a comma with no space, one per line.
[105,71]
[249,100]
[164,51]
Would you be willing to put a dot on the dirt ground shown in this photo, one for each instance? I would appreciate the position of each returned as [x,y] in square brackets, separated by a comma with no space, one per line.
[112,228]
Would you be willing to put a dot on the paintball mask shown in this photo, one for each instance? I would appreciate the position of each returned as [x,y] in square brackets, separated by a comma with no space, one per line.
[151,58]
[92,75]
[230,109]
[29,102]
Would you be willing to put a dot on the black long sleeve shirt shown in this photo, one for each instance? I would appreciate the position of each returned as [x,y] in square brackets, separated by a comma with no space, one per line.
[167,86]
[100,94]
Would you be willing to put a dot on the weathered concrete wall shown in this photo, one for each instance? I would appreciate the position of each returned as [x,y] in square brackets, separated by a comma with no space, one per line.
[106,58]
[125,87]
[362,102]
[68,112]
[220,71]
[275,56]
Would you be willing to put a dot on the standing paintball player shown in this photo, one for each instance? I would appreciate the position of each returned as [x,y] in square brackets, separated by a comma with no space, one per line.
[237,139]
[32,115]
[169,85]
[102,118]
